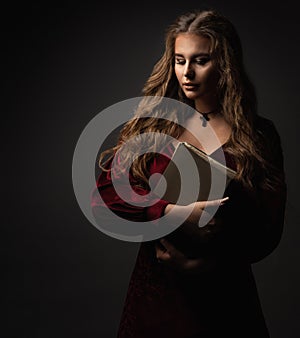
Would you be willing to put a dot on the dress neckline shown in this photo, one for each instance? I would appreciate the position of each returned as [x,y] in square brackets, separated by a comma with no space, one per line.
[221,147]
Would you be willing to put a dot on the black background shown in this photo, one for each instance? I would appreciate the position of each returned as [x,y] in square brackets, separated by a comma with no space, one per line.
[64,63]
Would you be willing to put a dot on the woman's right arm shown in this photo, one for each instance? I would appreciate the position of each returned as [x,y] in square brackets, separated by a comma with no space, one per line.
[195,210]
[190,227]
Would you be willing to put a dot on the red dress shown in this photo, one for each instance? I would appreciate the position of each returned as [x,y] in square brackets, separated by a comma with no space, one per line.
[222,302]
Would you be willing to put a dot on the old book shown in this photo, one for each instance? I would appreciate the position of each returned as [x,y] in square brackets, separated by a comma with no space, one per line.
[192,175]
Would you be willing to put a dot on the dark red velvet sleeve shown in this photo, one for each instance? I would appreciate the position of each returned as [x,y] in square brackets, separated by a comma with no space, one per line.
[112,200]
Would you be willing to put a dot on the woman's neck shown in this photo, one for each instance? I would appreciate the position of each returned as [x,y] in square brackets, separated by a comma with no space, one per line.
[208,109]
[209,113]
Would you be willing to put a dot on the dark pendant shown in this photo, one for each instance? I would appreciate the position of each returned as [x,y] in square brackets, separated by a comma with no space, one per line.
[205,118]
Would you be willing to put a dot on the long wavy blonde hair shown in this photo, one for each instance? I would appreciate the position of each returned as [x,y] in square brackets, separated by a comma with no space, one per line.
[235,92]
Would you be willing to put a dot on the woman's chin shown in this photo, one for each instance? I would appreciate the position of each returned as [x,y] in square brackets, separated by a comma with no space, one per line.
[191,95]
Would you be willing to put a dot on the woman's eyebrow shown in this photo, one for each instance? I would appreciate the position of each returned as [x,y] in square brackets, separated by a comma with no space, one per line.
[195,55]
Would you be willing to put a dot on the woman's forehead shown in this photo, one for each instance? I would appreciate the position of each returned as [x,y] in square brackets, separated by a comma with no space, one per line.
[188,43]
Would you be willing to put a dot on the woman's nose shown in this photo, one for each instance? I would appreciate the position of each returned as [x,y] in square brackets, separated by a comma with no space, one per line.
[188,71]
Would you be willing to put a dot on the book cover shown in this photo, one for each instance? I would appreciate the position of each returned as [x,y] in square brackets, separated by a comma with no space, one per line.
[192,175]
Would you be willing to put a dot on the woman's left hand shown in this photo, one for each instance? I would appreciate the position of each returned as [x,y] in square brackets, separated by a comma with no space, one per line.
[167,254]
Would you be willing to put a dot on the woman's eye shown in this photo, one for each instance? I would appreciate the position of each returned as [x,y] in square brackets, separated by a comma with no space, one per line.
[179,61]
[202,61]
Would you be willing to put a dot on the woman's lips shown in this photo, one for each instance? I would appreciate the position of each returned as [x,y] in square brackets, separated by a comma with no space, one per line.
[190,86]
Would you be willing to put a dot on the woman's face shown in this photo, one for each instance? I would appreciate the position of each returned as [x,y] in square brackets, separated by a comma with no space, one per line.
[195,68]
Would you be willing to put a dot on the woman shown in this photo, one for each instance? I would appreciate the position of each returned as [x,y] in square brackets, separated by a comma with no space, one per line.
[210,293]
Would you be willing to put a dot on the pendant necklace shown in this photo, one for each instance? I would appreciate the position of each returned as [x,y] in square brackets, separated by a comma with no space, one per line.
[205,117]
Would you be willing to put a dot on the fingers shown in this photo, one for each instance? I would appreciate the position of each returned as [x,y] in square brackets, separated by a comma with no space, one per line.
[213,203]
[161,252]
[176,259]
[169,247]
[166,251]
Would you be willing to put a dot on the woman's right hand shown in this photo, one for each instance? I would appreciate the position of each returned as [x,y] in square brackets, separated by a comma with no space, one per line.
[197,209]
[194,211]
